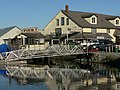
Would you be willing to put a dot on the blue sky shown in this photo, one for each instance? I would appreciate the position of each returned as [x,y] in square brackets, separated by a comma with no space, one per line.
[38,13]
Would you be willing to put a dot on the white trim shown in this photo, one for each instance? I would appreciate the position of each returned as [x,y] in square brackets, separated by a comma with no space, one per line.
[116,20]
[92,18]
[53,40]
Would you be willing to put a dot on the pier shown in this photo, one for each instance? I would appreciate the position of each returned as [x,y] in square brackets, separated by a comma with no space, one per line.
[50,51]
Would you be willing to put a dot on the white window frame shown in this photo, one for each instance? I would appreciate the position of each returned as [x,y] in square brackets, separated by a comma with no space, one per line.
[67,21]
[57,22]
[62,21]
[117,19]
[56,40]
[91,19]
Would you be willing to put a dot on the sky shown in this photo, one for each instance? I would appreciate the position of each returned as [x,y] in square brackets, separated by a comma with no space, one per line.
[38,13]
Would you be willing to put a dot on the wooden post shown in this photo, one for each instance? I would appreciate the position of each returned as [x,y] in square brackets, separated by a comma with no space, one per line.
[39,44]
[34,43]
[112,48]
[116,49]
[106,49]
[109,49]
[28,43]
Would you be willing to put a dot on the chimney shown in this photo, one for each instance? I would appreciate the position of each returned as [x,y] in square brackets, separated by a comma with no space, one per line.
[66,8]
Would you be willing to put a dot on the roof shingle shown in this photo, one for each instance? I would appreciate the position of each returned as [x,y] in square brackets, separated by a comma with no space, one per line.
[79,19]
[34,35]
[5,30]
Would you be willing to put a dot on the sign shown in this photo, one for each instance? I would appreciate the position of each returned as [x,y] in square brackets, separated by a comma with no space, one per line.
[75,30]
[100,37]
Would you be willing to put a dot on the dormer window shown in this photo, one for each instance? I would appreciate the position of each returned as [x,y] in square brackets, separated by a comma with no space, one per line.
[117,22]
[93,19]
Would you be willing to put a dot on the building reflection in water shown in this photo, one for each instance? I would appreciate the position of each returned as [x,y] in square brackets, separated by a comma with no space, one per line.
[94,77]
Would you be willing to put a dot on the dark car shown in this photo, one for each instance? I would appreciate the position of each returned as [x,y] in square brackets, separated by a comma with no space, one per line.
[105,45]
[92,48]
[105,42]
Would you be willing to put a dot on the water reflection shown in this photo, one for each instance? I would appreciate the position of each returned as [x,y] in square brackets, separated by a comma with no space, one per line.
[8,83]
[72,76]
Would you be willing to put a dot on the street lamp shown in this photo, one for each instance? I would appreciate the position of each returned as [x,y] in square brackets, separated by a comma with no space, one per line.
[67,34]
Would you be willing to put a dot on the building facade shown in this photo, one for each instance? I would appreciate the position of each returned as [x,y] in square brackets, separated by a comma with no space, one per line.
[8,35]
[31,40]
[90,26]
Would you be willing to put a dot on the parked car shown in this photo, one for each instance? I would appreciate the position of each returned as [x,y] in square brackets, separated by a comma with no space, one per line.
[91,48]
[105,42]
[91,42]
[100,47]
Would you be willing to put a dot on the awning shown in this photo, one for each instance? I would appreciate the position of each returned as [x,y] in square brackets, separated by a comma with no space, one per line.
[73,35]
[97,36]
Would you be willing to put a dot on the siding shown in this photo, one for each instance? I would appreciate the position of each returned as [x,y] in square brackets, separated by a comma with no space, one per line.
[11,34]
[86,29]
[101,30]
[52,25]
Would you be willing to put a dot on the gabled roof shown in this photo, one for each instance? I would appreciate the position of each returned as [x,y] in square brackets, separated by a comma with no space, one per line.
[112,17]
[34,35]
[79,19]
[5,30]
[89,15]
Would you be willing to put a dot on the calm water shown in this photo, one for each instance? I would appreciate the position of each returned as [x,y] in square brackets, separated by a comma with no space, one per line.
[63,76]
[7,84]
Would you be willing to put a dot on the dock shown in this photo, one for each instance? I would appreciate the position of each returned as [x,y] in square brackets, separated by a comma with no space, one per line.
[50,51]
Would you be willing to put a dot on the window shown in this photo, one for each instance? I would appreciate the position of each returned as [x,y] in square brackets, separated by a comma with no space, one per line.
[108,30]
[30,41]
[62,20]
[67,21]
[55,41]
[117,22]
[93,30]
[36,29]
[93,20]
[32,29]
[57,22]
[58,32]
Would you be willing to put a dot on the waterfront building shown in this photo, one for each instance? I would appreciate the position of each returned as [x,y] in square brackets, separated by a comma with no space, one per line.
[32,38]
[7,35]
[79,27]
[17,38]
